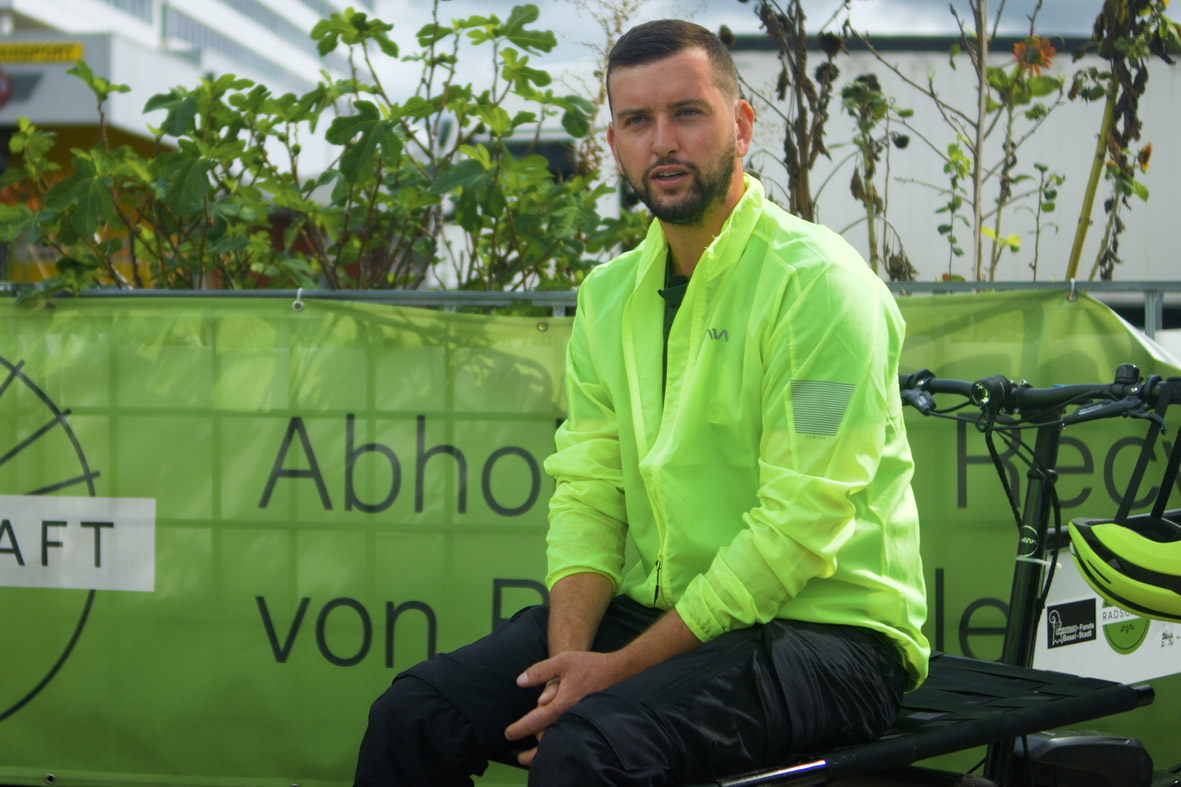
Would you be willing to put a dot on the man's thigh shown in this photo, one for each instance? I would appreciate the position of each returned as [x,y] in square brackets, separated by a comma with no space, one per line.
[749,699]
[480,679]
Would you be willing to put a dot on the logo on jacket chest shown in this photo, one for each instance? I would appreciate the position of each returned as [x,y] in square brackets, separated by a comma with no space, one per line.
[718,334]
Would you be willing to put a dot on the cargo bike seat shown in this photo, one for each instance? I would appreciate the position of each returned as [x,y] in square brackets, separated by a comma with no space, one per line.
[964,703]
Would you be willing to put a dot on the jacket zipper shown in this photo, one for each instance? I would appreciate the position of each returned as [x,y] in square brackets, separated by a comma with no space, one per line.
[656,593]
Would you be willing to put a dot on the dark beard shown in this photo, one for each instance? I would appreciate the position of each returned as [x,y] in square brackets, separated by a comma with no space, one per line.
[708,190]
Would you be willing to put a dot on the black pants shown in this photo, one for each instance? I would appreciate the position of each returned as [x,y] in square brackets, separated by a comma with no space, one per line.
[745,700]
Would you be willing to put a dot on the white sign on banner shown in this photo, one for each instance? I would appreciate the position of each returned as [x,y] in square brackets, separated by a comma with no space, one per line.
[99,543]
[1081,634]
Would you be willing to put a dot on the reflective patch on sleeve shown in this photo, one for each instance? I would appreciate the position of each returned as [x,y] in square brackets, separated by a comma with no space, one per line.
[818,406]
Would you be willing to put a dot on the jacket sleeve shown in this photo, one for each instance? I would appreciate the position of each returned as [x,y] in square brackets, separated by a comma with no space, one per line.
[828,362]
[587,514]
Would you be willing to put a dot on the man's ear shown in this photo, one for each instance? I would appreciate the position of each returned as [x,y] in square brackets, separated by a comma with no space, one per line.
[744,122]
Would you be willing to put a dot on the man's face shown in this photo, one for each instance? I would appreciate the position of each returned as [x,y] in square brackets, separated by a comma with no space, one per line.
[676,136]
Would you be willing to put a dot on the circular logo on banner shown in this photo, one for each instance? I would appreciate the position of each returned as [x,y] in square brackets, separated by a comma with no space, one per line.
[39,454]
[1124,631]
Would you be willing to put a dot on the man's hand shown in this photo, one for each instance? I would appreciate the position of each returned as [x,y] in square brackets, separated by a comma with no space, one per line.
[568,677]
[571,675]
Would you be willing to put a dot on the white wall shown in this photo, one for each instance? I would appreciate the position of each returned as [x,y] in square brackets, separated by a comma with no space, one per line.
[1065,142]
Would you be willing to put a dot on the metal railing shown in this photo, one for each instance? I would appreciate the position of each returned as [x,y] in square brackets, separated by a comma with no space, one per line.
[560,303]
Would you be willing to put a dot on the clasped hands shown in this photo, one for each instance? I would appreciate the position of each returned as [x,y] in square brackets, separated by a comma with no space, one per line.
[567,677]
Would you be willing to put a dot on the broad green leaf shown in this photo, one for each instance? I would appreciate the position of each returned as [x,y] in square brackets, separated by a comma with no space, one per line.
[327,44]
[524,118]
[18,223]
[515,69]
[1042,86]
[431,34]
[101,87]
[514,30]
[496,201]
[480,153]
[464,175]
[417,107]
[187,185]
[229,245]
[83,71]
[163,100]
[8,177]
[59,195]
[365,134]
[999,80]
[388,47]
[180,117]
[576,123]
[496,118]
[92,205]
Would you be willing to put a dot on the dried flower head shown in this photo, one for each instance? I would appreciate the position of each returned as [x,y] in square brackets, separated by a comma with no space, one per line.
[1144,156]
[1033,54]
[727,36]
[831,44]
[827,73]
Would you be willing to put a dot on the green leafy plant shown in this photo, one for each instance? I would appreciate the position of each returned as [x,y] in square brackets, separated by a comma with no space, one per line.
[444,186]
[1012,103]
[1126,35]
[873,111]
[1045,204]
[957,165]
[802,98]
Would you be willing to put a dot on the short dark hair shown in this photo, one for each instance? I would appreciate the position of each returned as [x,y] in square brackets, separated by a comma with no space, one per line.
[656,40]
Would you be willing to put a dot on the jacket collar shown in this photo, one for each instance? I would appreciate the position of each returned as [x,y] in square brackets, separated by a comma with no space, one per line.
[722,253]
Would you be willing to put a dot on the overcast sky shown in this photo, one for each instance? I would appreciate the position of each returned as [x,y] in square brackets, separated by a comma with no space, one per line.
[574,26]
[580,37]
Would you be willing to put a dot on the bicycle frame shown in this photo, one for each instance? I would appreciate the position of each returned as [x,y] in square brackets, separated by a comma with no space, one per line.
[1029,572]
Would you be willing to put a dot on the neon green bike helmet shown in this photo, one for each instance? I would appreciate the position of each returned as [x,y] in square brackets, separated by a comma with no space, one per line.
[1136,566]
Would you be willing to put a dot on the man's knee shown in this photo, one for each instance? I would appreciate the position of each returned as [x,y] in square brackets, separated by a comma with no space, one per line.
[577,745]
[407,698]
[416,736]
[571,746]
[412,715]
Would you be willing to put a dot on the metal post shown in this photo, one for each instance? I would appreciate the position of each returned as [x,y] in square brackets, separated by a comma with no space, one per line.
[1154,308]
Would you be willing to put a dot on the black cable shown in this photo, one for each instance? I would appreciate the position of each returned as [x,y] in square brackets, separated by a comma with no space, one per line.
[1000,470]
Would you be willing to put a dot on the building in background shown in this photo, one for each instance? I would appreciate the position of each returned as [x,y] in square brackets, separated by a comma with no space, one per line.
[151,46]
[144,42]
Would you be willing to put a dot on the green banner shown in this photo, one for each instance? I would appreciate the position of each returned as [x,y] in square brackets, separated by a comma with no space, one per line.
[225,524]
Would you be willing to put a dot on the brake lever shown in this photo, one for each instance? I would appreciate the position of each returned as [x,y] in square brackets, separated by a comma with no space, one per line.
[1151,415]
[919,399]
[1128,407]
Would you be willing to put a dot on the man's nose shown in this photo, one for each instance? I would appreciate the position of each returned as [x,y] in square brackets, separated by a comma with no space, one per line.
[664,141]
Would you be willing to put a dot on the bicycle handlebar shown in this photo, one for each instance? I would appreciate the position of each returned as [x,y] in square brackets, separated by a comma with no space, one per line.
[998,394]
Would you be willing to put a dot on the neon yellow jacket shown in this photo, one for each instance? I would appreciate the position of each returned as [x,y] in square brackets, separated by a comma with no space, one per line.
[773,480]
